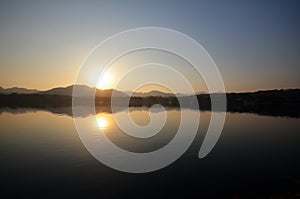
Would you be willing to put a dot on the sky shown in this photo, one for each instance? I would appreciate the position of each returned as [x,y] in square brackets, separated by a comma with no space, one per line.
[255,44]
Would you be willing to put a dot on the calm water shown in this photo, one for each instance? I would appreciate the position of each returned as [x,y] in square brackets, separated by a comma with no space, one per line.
[256,156]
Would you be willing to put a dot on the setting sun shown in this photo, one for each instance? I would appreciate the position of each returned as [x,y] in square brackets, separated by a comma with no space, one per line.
[106,82]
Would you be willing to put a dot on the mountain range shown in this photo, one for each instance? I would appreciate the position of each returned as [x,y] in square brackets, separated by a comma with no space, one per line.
[85,91]
[17,90]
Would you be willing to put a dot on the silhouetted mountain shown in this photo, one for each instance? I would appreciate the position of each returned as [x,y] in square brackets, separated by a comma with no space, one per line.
[150,94]
[17,90]
[109,92]
[66,91]
[156,93]
[58,91]
[86,91]
[83,91]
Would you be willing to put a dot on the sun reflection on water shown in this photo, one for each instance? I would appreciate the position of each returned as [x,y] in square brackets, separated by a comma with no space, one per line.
[102,121]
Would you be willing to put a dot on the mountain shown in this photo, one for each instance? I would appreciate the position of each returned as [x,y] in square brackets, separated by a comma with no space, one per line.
[58,91]
[66,91]
[84,91]
[156,93]
[17,90]
[151,93]
[87,91]
[109,93]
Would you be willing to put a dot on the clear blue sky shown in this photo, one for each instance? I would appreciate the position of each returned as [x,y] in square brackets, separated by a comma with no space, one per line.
[255,44]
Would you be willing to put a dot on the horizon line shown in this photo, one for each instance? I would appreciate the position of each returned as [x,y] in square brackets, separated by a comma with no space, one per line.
[128,90]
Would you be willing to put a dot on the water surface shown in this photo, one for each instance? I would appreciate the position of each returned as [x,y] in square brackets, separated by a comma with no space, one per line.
[256,156]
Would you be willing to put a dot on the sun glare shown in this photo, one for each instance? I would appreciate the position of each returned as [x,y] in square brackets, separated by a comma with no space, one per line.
[106,81]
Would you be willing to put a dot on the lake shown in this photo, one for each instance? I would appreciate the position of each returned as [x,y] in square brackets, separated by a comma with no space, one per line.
[43,156]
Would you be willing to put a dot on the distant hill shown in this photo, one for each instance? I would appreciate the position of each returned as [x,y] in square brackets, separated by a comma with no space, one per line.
[108,93]
[85,91]
[58,91]
[156,93]
[65,91]
[17,90]
[151,93]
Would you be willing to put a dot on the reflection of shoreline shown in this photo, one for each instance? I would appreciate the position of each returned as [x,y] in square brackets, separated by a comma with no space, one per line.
[285,103]
[106,109]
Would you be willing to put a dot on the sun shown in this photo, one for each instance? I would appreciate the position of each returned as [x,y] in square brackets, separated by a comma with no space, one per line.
[106,82]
